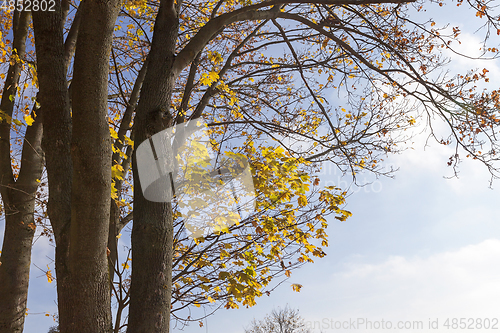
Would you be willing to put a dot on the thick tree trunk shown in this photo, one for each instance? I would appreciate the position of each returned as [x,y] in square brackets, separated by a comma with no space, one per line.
[90,304]
[152,232]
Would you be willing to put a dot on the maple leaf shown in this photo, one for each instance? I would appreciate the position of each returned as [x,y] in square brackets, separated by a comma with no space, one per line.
[48,274]
[29,120]
[208,78]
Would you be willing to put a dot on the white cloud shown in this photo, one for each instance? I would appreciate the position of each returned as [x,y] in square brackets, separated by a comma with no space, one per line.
[458,284]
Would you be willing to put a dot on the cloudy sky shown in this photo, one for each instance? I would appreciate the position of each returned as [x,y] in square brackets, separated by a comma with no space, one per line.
[419,248]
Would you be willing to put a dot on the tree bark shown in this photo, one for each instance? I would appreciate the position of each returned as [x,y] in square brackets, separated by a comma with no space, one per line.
[18,197]
[90,303]
[152,232]
[18,236]
[53,97]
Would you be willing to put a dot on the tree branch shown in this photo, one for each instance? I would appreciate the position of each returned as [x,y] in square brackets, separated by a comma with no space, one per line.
[70,43]
[249,13]
[8,98]
[32,155]
[198,42]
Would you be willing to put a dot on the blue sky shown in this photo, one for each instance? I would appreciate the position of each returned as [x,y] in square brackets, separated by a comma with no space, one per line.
[417,247]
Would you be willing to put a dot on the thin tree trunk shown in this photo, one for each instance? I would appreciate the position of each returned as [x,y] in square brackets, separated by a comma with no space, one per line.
[16,261]
[18,197]
[53,97]
[152,231]
[114,219]
[19,231]
[114,223]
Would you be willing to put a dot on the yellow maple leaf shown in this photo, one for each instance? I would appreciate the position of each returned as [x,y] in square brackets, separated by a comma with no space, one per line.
[207,79]
[113,133]
[49,276]
[29,120]
[114,191]
[213,76]
[117,171]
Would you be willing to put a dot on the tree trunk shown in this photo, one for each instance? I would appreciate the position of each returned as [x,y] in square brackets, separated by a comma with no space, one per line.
[152,231]
[90,303]
[54,99]
[18,198]
[114,221]
[15,268]
[19,231]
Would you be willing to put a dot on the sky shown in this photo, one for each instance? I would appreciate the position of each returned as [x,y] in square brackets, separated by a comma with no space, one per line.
[419,249]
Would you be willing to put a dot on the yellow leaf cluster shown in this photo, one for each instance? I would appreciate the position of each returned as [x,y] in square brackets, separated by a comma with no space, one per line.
[208,78]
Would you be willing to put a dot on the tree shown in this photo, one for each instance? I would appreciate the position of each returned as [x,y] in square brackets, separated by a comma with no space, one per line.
[279,321]
[53,329]
[259,73]
[17,191]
